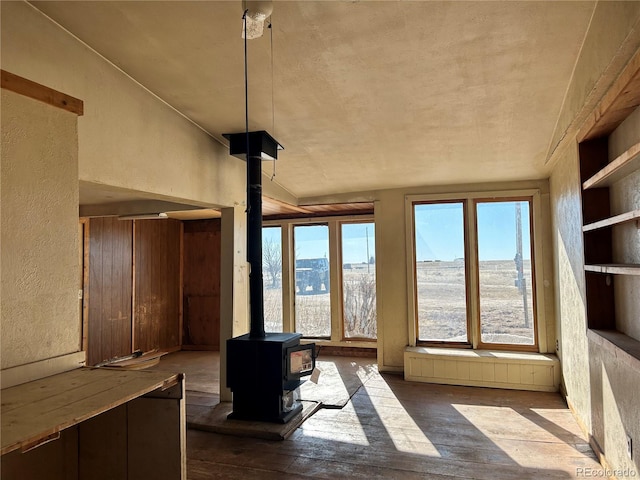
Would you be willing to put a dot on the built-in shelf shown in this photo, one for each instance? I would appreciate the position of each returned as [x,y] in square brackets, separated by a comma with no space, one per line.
[617,344]
[614,268]
[609,222]
[617,169]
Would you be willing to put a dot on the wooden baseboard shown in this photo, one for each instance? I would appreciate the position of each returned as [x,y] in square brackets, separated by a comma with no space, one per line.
[347,351]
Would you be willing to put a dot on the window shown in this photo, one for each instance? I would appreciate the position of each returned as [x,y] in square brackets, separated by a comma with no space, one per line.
[505,275]
[272,278]
[358,280]
[312,285]
[440,272]
[473,278]
[320,278]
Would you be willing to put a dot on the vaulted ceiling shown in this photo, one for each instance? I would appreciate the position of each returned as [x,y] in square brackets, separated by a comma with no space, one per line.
[363,95]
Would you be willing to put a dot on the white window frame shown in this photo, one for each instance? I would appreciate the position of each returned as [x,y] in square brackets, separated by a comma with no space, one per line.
[471,257]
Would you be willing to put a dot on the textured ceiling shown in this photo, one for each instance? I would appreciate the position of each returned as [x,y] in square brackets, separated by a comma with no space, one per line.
[363,95]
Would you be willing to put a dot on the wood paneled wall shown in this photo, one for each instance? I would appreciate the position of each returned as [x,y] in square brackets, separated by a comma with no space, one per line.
[109,292]
[133,294]
[201,287]
[157,284]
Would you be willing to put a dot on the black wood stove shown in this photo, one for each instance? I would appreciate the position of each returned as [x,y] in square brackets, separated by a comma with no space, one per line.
[264,370]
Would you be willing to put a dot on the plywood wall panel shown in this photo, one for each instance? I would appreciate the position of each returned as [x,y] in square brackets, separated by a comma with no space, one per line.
[109,289]
[201,288]
[156,284]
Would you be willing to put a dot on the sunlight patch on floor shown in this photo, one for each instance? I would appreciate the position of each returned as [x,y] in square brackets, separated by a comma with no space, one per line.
[515,434]
[352,433]
[403,431]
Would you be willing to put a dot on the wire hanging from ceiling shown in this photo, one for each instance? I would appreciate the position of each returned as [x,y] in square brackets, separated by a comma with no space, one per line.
[246,103]
[273,108]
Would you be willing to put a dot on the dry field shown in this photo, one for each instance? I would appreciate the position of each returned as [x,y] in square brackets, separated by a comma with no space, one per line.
[441,304]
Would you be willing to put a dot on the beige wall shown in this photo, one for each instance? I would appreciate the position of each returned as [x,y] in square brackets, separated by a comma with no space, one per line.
[566,219]
[601,387]
[39,231]
[391,280]
[128,138]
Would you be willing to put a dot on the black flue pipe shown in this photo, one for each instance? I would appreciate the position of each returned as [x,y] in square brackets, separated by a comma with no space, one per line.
[254,240]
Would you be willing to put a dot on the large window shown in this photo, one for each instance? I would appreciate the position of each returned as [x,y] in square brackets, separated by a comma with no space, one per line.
[358,280]
[504,272]
[473,273]
[312,281]
[320,278]
[272,278]
[440,272]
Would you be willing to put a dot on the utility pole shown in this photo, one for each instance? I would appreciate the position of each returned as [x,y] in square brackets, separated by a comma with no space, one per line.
[366,230]
[521,281]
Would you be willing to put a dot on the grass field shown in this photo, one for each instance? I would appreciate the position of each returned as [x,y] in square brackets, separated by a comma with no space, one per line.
[441,304]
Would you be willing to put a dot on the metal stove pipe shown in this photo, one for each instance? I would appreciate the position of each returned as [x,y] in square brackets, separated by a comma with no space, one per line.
[254,242]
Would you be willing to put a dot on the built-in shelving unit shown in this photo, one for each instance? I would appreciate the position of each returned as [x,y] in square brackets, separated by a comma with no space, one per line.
[615,220]
[619,168]
[598,254]
[614,268]
[599,177]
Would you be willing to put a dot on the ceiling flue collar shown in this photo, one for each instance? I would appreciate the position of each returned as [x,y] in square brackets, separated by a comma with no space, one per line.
[256,12]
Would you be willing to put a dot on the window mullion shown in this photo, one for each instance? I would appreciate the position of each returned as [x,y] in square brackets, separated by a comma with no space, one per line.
[335,281]
[288,279]
[473,281]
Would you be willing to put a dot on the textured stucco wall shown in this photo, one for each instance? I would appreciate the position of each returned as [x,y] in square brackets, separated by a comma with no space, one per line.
[602,387]
[39,231]
[127,137]
[566,219]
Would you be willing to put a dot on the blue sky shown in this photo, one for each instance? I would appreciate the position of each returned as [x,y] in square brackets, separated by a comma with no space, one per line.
[438,234]
[312,241]
[439,231]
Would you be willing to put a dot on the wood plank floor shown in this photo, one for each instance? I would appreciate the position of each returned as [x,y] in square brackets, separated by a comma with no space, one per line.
[392,429]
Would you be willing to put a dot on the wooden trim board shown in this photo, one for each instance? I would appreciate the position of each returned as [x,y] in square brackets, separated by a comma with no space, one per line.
[44,368]
[616,105]
[616,220]
[31,89]
[620,167]
[614,268]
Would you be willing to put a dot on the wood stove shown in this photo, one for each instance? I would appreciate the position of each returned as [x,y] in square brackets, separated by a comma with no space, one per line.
[265,373]
[264,370]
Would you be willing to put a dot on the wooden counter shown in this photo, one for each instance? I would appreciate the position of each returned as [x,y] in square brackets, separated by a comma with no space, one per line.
[95,423]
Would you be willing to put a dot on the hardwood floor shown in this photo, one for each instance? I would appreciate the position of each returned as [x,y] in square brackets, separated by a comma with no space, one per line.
[392,429]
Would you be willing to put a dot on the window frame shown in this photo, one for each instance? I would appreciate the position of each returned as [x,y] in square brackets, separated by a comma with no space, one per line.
[507,346]
[472,269]
[340,224]
[335,275]
[414,266]
[281,267]
[316,223]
